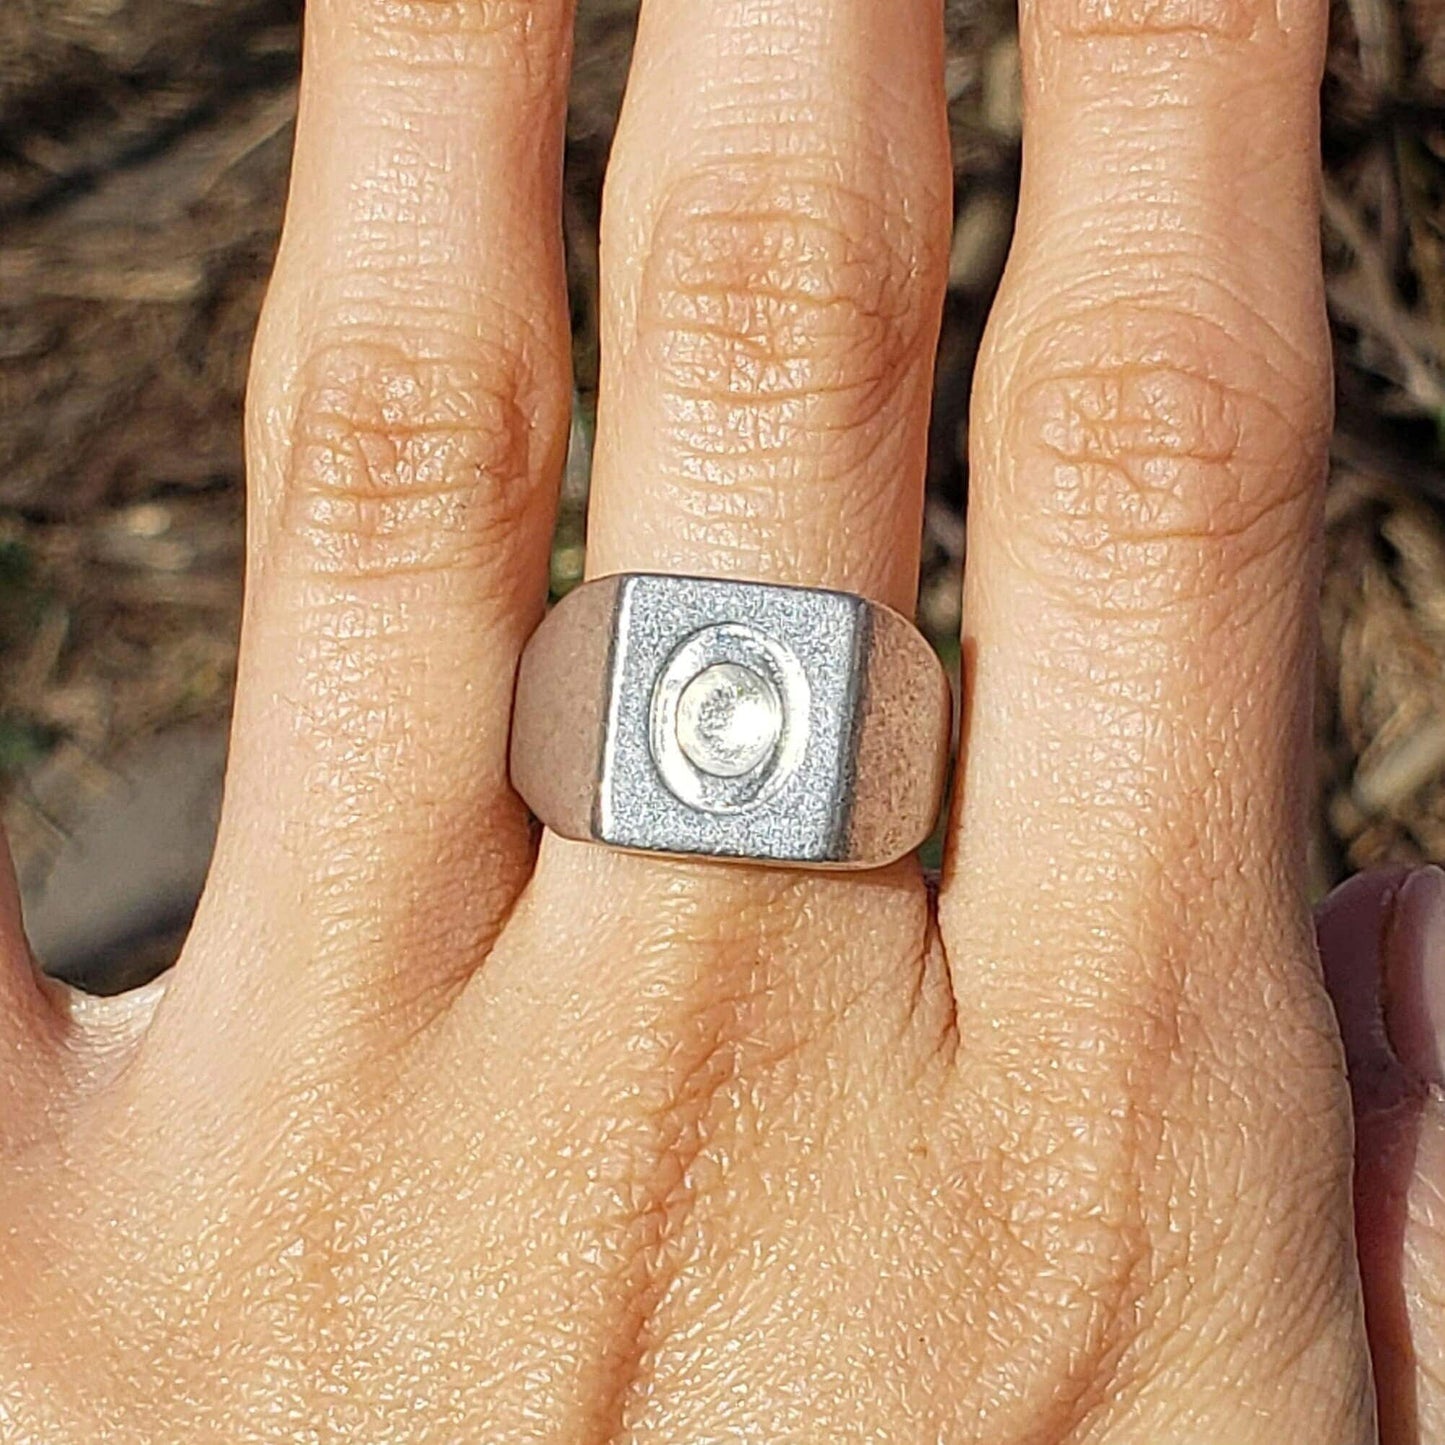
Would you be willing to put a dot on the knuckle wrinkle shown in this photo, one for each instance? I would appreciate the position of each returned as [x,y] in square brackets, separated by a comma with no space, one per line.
[1160,458]
[1214,20]
[404,465]
[778,296]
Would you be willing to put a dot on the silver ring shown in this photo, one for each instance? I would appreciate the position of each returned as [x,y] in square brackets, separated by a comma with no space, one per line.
[696,717]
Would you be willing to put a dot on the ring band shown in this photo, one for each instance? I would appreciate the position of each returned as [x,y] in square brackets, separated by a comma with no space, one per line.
[697,717]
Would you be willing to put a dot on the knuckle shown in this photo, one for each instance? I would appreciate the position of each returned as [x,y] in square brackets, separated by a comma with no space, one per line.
[1167,451]
[1138,1186]
[1279,1166]
[778,303]
[1054,1208]
[1214,20]
[519,47]
[404,465]
[514,31]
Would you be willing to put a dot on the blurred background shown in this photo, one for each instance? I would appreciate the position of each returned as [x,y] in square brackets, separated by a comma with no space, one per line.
[144,147]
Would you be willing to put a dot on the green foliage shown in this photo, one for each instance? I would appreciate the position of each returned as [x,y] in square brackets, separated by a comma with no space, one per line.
[22,744]
[17,566]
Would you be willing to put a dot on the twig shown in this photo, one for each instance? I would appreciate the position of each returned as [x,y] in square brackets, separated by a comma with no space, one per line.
[1378,307]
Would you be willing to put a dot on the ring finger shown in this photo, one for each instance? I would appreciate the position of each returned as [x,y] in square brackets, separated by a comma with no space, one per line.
[774,250]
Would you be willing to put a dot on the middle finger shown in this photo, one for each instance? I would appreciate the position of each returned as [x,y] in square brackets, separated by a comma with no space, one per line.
[775,244]
[774,255]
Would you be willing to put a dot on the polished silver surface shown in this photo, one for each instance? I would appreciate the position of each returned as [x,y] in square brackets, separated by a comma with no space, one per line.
[700,717]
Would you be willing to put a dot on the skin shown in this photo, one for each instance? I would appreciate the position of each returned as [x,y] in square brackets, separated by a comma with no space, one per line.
[1382,942]
[438,1132]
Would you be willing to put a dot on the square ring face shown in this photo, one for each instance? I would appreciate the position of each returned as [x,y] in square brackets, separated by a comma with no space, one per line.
[731,719]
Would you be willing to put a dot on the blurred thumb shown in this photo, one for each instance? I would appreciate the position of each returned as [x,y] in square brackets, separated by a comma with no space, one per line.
[1382,943]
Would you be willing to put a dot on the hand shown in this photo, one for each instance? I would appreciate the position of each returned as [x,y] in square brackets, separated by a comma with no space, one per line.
[434,1137]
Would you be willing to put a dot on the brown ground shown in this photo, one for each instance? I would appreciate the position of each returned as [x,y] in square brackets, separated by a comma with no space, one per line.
[143,156]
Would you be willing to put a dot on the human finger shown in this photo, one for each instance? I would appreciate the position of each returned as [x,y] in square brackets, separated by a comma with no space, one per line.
[1382,940]
[407,423]
[1124,902]
[31,1019]
[1150,419]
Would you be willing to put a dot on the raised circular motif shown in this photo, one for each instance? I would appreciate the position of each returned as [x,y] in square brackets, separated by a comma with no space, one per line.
[729,718]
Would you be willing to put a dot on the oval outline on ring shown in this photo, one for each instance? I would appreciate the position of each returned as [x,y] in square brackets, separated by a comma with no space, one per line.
[740,643]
